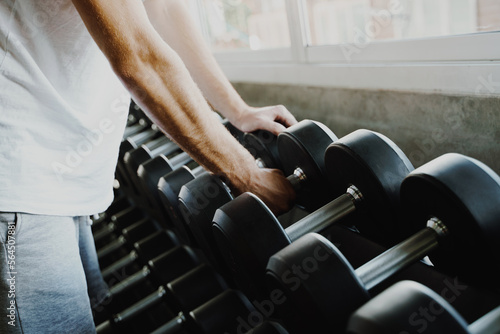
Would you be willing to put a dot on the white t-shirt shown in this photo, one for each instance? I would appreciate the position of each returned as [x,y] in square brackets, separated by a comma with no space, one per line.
[62,112]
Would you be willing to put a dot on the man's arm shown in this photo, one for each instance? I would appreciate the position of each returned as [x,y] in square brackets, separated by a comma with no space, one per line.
[174,23]
[162,86]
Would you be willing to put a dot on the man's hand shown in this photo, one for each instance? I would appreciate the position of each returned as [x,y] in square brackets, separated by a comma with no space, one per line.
[272,187]
[274,119]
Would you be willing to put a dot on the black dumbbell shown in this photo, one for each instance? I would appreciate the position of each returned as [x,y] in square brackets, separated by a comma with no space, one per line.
[148,173]
[170,181]
[263,146]
[146,133]
[117,223]
[200,198]
[221,314]
[129,217]
[130,143]
[121,208]
[135,127]
[137,139]
[459,200]
[125,242]
[142,251]
[160,270]
[145,165]
[162,145]
[247,232]
[169,187]
[410,307]
[134,158]
[183,294]
[137,122]
[135,114]
[138,131]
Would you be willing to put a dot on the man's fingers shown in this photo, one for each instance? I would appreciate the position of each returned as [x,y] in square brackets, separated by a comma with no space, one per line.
[284,116]
[276,128]
[274,119]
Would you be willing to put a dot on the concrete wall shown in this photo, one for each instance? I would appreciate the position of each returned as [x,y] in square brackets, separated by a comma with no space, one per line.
[424,126]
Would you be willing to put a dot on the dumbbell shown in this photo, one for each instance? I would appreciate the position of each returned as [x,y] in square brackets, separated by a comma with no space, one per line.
[169,187]
[150,172]
[261,144]
[128,144]
[135,113]
[142,251]
[116,224]
[125,242]
[132,159]
[410,307]
[136,122]
[183,294]
[138,131]
[221,314]
[200,198]
[163,145]
[148,167]
[148,175]
[120,208]
[136,126]
[160,270]
[133,138]
[136,231]
[147,172]
[247,233]
[137,139]
[130,216]
[456,196]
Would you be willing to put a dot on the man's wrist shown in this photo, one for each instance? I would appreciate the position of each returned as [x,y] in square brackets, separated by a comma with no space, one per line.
[235,113]
[241,178]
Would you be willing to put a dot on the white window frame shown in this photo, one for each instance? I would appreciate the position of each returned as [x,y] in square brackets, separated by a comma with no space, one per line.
[462,64]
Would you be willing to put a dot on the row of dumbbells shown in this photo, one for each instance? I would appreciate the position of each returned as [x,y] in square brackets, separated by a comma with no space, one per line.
[248,246]
[136,225]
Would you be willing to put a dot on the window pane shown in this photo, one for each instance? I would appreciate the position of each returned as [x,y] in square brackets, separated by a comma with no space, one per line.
[362,21]
[246,24]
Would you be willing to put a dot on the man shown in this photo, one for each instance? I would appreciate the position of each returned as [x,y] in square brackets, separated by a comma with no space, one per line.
[64,65]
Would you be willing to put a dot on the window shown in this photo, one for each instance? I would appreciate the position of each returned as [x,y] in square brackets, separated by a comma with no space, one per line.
[246,24]
[418,45]
[348,21]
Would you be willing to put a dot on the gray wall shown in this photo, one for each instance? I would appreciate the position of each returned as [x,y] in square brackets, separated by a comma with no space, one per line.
[424,126]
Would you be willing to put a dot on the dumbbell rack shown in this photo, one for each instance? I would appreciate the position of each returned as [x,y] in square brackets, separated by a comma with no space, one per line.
[470,301]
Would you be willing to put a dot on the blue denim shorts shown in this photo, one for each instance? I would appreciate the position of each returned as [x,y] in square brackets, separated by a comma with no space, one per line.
[49,274]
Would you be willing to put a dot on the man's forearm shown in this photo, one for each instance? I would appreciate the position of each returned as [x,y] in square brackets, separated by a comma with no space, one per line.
[175,103]
[176,26]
